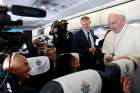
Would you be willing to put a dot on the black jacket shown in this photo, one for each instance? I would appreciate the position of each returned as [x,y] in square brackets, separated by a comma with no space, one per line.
[80,45]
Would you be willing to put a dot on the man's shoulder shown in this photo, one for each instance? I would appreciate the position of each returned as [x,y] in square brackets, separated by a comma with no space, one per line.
[79,31]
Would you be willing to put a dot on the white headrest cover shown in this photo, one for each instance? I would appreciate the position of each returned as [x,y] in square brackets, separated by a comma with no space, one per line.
[39,65]
[126,67]
[87,81]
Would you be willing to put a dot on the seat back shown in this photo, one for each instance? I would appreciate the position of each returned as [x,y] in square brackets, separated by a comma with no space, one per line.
[38,65]
[114,74]
[52,87]
[126,67]
[41,72]
[111,79]
[86,81]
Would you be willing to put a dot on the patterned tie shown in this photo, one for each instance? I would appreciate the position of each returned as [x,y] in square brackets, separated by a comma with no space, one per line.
[89,41]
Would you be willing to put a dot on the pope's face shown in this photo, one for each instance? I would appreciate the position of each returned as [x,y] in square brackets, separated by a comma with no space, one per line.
[115,22]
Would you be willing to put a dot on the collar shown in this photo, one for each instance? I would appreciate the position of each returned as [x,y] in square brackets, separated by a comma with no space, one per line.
[85,30]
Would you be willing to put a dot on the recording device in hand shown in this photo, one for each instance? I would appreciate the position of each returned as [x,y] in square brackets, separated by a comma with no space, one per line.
[5,19]
[12,41]
[61,37]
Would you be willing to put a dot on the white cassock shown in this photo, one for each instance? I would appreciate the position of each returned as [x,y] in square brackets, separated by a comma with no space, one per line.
[124,43]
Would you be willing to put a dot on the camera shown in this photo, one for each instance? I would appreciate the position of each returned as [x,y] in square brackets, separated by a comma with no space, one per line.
[13,41]
[5,20]
[61,37]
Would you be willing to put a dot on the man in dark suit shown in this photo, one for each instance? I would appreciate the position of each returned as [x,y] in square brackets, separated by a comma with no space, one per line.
[84,43]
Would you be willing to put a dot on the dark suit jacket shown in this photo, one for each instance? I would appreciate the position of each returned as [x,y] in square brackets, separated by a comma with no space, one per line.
[80,44]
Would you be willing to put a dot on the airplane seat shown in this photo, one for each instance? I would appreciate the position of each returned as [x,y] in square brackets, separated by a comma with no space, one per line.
[111,79]
[86,81]
[114,74]
[126,67]
[39,65]
[40,73]
[52,87]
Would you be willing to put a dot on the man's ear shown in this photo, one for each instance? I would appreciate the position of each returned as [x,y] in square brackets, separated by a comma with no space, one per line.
[126,85]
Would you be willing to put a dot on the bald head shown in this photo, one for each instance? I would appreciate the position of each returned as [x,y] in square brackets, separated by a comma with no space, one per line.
[17,64]
[116,22]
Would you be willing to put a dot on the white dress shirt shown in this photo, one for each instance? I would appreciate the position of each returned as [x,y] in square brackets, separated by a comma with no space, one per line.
[91,38]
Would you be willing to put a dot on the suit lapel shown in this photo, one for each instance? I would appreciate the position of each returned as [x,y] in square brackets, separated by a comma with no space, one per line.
[94,38]
[92,34]
[83,36]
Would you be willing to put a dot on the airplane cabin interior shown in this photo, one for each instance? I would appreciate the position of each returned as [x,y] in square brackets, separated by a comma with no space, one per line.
[69,46]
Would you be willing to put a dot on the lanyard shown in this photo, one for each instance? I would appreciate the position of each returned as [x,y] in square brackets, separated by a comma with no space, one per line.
[115,44]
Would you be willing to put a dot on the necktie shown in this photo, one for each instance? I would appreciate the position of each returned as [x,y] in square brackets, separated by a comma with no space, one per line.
[89,41]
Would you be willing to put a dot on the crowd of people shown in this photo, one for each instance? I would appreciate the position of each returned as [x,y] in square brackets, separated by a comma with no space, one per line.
[75,52]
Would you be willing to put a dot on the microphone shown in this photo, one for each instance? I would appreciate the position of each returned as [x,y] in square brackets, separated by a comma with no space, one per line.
[27,11]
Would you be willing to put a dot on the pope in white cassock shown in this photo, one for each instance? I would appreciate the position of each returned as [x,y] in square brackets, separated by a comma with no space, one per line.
[122,46]
[122,42]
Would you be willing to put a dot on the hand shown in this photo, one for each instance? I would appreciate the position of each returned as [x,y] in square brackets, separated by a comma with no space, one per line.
[92,50]
[108,58]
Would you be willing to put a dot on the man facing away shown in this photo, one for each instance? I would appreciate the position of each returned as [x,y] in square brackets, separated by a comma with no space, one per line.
[131,82]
